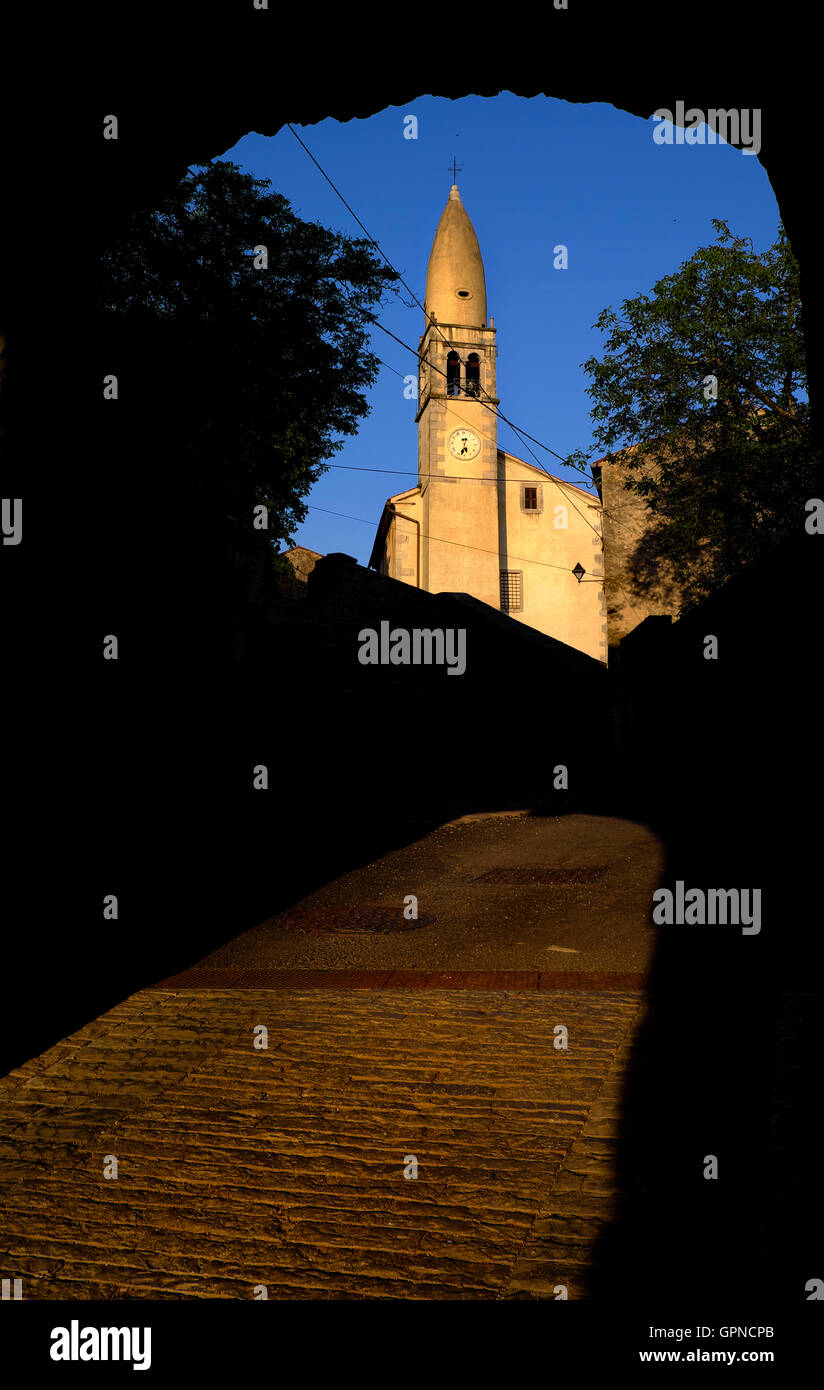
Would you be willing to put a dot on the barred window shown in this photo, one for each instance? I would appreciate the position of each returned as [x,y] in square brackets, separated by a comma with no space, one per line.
[511,590]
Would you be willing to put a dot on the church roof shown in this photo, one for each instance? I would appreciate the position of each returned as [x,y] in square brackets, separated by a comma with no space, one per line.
[455,281]
[399,496]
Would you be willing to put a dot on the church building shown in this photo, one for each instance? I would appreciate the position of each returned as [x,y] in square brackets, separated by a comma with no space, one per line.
[481,521]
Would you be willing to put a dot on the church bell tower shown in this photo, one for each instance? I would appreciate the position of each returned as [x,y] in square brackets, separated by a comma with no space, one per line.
[456,419]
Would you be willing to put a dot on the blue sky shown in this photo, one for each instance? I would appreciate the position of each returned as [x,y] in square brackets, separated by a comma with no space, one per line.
[534,173]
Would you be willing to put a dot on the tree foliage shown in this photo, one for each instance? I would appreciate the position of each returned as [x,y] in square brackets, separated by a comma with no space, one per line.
[704,381]
[251,372]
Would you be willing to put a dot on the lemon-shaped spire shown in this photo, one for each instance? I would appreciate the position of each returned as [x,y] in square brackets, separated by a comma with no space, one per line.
[455,281]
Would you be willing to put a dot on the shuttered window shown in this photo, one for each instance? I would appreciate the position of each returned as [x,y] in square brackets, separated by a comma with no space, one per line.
[511,590]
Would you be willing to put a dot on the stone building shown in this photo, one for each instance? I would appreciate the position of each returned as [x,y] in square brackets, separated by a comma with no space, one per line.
[302,560]
[481,521]
[640,581]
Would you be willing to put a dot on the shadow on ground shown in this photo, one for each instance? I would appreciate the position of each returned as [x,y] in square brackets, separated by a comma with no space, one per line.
[724,1065]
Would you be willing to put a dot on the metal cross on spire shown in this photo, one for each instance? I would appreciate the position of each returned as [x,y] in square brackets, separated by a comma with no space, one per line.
[456,169]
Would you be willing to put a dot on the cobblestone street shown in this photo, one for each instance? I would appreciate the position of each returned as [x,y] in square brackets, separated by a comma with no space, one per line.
[284,1167]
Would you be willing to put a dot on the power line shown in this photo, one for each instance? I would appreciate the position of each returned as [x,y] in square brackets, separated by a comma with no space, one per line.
[482,403]
[402,375]
[390,368]
[371,318]
[457,477]
[427,316]
[371,239]
[463,544]
[522,434]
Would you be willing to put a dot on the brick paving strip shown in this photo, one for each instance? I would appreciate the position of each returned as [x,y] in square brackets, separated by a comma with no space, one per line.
[284,1166]
[223,978]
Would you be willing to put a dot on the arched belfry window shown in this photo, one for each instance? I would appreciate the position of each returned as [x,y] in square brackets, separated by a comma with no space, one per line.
[453,374]
[473,374]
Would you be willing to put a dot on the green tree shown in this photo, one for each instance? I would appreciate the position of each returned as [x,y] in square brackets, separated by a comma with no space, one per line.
[252,365]
[704,381]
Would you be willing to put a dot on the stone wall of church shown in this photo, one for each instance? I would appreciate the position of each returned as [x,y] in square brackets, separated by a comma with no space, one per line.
[404,544]
[543,546]
[638,586]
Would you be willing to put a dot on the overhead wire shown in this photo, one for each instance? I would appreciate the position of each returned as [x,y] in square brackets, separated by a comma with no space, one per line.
[540,466]
[452,477]
[463,544]
[561,482]
[522,435]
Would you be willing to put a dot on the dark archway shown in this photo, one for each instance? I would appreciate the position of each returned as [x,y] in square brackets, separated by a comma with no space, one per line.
[167,817]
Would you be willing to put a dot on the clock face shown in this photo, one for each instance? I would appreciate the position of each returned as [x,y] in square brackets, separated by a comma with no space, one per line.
[463,444]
